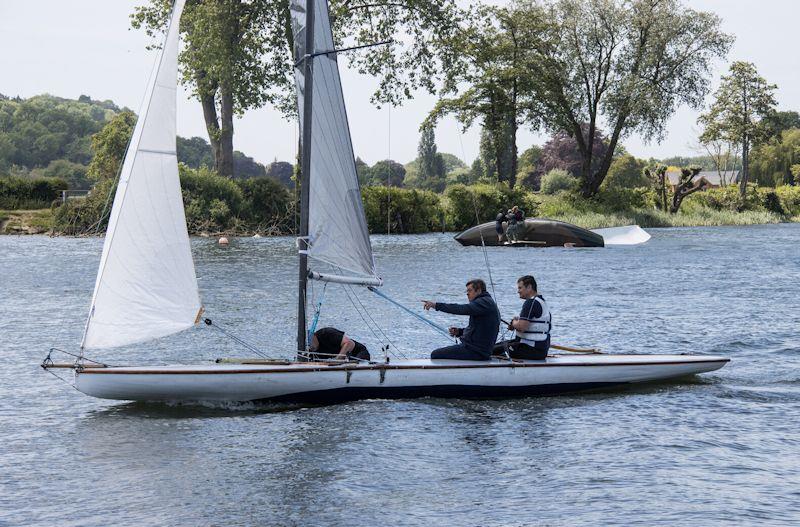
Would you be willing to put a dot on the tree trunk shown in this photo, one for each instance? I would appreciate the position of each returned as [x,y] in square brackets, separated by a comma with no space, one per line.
[224,163]
[212,122]
[745,168]
[512,177]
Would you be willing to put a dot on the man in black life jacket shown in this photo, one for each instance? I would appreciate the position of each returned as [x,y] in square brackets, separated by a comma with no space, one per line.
[478,338]
[532,325]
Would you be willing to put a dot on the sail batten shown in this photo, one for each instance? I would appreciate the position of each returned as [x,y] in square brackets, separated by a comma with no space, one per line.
[337,233]
[146,285]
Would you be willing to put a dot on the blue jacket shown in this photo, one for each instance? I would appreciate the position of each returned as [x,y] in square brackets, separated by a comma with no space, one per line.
[480,334]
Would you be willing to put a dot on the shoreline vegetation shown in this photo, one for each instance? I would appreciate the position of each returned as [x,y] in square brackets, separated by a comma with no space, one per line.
[219,206]
[50,147]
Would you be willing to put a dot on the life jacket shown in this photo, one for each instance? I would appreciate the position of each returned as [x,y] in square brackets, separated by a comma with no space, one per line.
[538,328]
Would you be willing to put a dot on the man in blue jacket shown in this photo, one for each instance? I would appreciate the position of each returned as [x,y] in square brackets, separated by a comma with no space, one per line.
[478,338]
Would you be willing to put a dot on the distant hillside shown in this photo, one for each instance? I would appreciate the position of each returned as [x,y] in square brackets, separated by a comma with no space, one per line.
[52,136]
[46,131]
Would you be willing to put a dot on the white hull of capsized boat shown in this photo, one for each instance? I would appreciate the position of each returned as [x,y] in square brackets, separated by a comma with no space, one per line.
[323,383]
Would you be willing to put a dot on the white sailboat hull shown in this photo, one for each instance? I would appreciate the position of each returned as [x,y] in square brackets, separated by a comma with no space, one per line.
[322,383]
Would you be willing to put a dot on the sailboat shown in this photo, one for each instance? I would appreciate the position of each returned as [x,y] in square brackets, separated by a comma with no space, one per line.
[146,287]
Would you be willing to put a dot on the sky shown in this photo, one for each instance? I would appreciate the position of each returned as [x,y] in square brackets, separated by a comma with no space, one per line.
[87,47]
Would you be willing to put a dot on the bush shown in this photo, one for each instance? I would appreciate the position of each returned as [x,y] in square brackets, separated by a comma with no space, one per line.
[411,210]
[626,172]
[22,193]
[621,199]
[772,202]
[466,206]
[268,205]
[558,180]
[790,199]
[212,203]
[728,198]
[89,215]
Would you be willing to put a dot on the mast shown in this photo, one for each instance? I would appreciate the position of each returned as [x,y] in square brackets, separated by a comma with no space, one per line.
[305,173]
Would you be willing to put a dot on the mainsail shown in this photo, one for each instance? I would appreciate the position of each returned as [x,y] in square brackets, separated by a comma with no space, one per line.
[337,233]
[146,285]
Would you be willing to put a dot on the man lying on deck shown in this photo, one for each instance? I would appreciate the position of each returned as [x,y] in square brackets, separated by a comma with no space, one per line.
[478,338]
[331,343]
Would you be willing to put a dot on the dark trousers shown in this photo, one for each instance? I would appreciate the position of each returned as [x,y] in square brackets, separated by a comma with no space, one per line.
[517,350]
[459,352]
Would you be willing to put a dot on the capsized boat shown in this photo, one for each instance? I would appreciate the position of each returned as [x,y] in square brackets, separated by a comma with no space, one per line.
[542,232]
[146,285]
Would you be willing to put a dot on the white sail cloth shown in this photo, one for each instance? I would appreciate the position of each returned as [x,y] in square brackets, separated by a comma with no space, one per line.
[146,285]
[337,233]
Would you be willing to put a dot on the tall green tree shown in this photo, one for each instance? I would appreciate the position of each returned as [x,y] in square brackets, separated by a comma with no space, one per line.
[109,146]
[488,83]
[238,53]
[431,167]
[742,105]
[629,63]
[772,162]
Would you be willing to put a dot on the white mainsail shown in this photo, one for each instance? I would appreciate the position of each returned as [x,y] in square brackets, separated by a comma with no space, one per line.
[146,285]
[337,227]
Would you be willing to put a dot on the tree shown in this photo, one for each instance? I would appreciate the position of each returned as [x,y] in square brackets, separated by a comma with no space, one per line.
[779,122]
[626,172]
[772,162]
[558,180]
[431,167]
[658,176]
[487,83]
[109,145]
[742,104]
[281,171]
[564,152]
[238,53]
[364,172]
[627,63]
[528,174]
[387,173]
[685,187]
[723,155]
[195,152]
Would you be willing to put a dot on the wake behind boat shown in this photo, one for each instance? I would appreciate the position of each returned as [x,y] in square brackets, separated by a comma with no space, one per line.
[146,285]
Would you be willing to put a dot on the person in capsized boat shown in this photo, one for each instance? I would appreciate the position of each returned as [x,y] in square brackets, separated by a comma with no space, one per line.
[498,225]
[516,220]
[331,343]
[532,325]
[478,338]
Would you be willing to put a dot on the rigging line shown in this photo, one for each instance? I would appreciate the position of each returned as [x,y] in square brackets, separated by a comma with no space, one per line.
[347,292]
[389,176]
[385,336]
[371,323]
[483,247]
[436,326]
[236,339]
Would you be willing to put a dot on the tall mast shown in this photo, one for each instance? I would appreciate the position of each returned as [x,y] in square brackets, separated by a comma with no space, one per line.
[305,172]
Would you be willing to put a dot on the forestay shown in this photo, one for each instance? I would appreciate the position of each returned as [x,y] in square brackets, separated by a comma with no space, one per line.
[146,285]
[337,230]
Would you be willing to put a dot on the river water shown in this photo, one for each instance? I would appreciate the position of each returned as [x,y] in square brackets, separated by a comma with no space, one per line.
[721,448]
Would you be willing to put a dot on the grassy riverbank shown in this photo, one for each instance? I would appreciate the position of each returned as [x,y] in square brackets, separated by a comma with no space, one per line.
[39,221]
[42,221]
